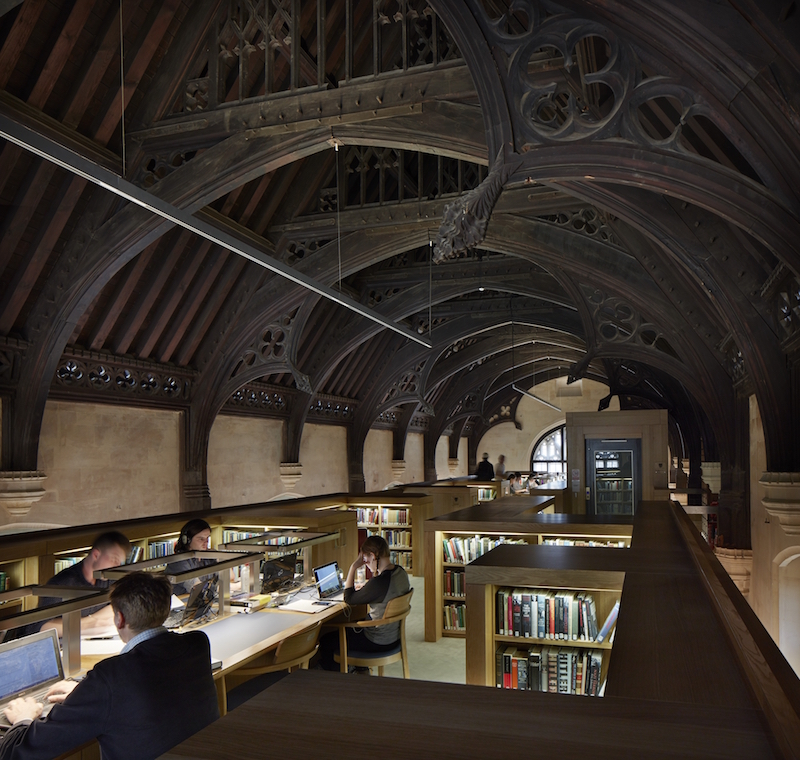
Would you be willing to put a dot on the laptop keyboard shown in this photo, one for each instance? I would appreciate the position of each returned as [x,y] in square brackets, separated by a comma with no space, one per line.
[39,696]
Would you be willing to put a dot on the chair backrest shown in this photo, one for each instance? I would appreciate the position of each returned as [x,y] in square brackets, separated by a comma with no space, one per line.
[298,645]
[398,608]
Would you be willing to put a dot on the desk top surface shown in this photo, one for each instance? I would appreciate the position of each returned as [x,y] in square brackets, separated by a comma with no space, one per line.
[425,719]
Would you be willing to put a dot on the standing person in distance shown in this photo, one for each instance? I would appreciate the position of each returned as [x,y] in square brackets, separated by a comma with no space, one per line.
[388,581]
[500,467]
[485,470]
[157,692]
[194,536]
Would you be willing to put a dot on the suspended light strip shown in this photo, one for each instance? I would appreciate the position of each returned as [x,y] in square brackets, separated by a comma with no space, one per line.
[535,398]
[67,159]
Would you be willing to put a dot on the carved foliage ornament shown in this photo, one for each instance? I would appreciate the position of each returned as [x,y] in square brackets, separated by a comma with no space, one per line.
[466,218]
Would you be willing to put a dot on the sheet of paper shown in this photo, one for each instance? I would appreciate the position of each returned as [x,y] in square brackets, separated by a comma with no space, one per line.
[304,605]
[101,646]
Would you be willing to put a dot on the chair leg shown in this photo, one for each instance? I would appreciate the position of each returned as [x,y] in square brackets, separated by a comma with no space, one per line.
[342,650]
[222,695]
[380,670]
[404,657]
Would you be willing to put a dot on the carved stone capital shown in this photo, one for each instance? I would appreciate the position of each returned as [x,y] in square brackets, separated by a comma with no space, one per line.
[398,468]
[782,499]
[739,565]
[20,490]
[452,465]
[291,472]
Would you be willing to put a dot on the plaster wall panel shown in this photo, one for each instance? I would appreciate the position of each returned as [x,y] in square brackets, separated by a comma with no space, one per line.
[323,454]
[378,460]
[244,455]
[107,462]
[414,458]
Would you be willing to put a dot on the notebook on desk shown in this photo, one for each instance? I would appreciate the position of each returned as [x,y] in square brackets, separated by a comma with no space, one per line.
[329,583]
[29,667]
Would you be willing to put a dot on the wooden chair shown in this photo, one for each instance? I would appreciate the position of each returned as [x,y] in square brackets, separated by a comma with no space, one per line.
[293,652]
[396,611]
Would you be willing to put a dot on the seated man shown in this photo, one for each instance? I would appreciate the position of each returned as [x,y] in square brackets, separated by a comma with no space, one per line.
[108,550]
[157,692]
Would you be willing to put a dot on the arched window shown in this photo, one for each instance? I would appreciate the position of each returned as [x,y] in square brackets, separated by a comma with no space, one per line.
[549,456]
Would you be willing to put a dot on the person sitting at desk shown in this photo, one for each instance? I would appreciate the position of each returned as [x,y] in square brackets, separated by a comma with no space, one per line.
[194,537]
[157,692]
[388,581]
[108,550]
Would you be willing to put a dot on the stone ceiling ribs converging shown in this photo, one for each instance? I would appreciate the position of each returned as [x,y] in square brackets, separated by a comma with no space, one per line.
[612,185]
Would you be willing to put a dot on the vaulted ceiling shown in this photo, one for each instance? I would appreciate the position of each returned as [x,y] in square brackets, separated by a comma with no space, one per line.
[588,189]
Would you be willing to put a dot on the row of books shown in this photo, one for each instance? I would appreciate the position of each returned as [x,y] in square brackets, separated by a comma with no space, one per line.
[396,516]
[229,535]
[63,563]
[399,538]
[546,614]
[367,516]
[455,617]
[454,583]
[464,550]
[386,515]
[557,670]
[607,543]
[160,549]
[402,559]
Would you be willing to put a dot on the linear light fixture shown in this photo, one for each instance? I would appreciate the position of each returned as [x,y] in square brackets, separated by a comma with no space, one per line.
[535,398]
[50,150]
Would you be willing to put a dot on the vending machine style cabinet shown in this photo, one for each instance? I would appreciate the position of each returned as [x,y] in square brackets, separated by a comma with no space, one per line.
[613,475]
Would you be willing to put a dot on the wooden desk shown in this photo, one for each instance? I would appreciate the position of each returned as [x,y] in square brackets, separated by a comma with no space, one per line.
[416,719]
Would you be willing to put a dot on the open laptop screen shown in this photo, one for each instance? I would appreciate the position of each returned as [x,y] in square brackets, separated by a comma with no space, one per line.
[28,663]
[327,578]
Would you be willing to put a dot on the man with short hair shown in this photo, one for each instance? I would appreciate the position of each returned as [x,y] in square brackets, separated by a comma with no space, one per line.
[485,470]
[108,550]
[157,692]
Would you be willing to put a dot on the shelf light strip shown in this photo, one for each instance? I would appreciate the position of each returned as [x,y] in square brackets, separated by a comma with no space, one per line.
[62,156]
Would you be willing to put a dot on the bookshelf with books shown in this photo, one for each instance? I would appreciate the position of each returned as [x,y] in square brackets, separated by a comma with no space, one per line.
[545,616]
[398,523]
[455,540]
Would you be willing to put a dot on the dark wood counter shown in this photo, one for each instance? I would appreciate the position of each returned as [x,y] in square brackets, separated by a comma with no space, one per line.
[313,714]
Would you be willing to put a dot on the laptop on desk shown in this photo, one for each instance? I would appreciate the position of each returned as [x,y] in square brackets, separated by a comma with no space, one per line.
[329,583]
[29,667]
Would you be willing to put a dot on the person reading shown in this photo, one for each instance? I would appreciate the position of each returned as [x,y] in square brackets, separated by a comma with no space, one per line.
[157,692]
[108,550]
[388,581]
[194,536]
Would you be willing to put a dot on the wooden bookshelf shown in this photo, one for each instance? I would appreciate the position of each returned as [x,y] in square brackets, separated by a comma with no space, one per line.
[519,519]
[395,525]
[534,568]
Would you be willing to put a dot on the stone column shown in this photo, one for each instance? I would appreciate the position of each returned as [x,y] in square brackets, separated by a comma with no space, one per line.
[20,490]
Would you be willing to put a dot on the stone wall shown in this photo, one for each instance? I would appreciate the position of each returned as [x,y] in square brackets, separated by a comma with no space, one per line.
[105,462]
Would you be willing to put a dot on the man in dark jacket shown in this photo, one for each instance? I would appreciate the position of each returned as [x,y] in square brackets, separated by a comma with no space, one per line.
[485,470]
[157,692]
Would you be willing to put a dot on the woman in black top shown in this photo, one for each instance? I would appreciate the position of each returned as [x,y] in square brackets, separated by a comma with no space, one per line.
[388,581]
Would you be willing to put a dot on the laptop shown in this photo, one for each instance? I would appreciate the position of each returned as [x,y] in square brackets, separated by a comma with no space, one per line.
[278,574]
[198,605]
[329,584]
[30,666]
